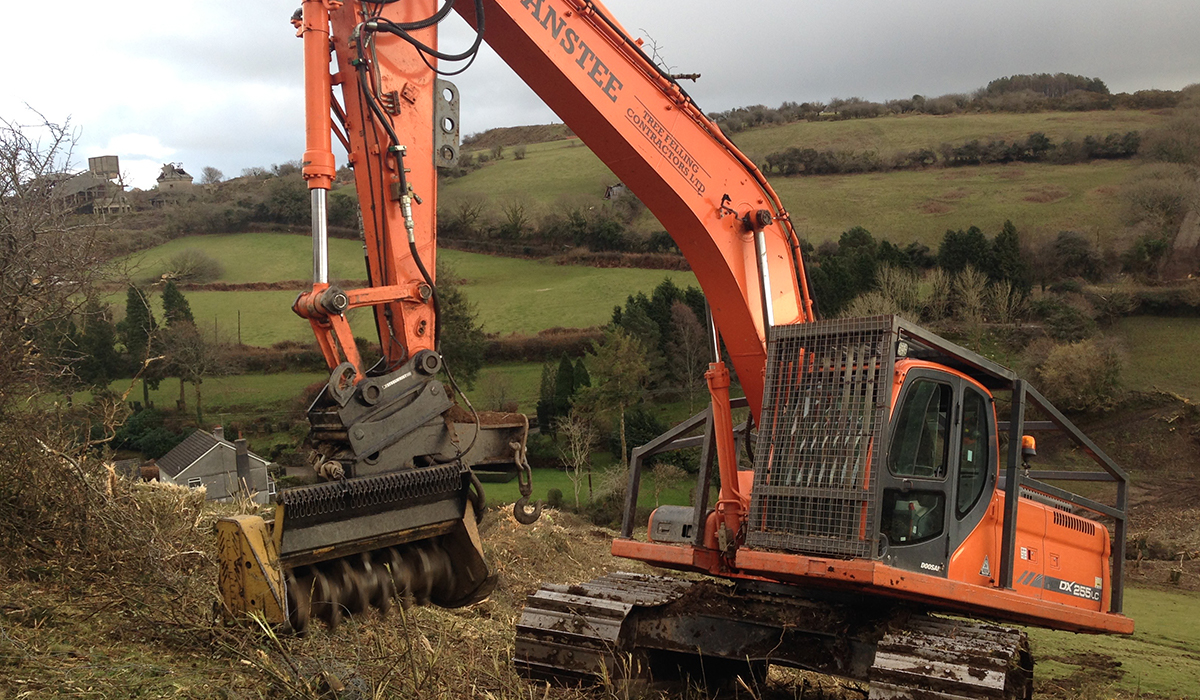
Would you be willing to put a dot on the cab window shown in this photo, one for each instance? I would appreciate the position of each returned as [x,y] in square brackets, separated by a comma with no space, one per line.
[910,517]
[921,442]
[973,458]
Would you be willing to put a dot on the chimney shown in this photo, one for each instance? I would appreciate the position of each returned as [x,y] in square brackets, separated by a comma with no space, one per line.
[219,432]
[242,459]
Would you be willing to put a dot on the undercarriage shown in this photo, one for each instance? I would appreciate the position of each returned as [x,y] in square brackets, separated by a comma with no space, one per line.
[637,627]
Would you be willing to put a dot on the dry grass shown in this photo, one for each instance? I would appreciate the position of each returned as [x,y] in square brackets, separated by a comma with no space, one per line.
[932,207]
[1047,194]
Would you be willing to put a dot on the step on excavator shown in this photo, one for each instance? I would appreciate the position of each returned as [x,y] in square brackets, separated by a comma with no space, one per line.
[885,525]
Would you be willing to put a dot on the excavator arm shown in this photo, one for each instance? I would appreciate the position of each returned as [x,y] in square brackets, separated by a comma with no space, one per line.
[395,454]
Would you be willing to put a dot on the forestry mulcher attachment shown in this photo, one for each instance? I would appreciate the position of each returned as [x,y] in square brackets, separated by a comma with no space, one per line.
[881,494]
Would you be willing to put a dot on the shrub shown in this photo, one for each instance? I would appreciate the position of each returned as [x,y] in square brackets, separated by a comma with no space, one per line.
[158,442]
[541,452]
[1063,321]
[554,498]
[1075,256]
[1082,376]
[145,432]
[193,266]
[1143,256]
[1160,197]
[1178,141]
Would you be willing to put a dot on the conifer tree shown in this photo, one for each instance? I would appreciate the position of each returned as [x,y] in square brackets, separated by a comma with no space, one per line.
[137,334]
[99,362]
[176,309]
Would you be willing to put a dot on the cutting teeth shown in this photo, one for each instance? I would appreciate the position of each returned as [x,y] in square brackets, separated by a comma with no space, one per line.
[352,585]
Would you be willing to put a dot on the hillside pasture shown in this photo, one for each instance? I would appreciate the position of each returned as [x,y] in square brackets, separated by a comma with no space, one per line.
[1161,354]
[922,204]
[254,257]
[526,296]
[887,135]
[901,206]
[512,295]
[550,172]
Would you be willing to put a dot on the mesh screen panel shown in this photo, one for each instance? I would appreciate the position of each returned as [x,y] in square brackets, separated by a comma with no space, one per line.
[828,388]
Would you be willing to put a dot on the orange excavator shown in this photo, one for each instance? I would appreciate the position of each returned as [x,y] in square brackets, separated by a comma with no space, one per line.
[886,509]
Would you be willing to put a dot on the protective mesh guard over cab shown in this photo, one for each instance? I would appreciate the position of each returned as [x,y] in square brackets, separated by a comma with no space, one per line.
[826,405]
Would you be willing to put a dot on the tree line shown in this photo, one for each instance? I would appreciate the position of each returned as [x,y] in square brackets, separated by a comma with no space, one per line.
[1019,94]
[1036,148]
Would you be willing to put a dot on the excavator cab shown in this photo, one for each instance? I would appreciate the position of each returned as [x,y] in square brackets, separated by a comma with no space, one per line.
[942,459]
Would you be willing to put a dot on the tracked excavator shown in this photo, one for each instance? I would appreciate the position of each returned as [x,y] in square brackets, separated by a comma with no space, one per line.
[886,525]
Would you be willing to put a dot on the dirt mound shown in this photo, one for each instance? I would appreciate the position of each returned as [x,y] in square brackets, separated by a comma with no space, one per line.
[1155,437]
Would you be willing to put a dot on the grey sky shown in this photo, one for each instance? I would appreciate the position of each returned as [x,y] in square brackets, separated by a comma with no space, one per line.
[218,82]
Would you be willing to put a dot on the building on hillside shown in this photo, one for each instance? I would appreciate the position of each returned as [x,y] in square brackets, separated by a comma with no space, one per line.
[98,190]
[174,185]
[209,460]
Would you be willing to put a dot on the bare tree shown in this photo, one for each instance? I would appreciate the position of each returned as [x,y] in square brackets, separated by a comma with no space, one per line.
[192,358]
[497,392]
[577,435]
[690,352]
[210,175]
[49,258]
[1005,301]
[663,476]
[970,289]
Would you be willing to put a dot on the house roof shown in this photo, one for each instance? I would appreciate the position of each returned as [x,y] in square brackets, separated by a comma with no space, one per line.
[191,449]
[187,452]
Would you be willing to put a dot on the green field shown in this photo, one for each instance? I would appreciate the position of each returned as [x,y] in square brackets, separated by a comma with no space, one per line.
[1159,660]
[515,381]
[512,295]
[549,172]
[887,135]
[920,205]
[253,394]
[900,206]
[1160,353]
[255,257]
[526,296]
[546,479]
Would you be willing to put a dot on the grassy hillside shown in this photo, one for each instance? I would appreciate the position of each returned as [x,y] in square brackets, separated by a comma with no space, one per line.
[1161,354]
[255,257]
[506,136]
[549,172]
[1159,660]
[920,205]
[901,206]
[513,295]
[908,132]
[526,296]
